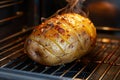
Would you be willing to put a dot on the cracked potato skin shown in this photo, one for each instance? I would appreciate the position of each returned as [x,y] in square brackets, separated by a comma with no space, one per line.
[61,39]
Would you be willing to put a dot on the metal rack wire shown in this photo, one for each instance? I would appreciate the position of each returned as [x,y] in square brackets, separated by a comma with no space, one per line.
[103,63]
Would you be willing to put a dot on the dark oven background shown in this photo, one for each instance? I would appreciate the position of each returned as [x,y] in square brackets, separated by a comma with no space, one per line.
[101,12]
[18,14]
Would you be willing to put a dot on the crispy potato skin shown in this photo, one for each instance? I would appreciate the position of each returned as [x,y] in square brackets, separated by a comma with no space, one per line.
[61,39]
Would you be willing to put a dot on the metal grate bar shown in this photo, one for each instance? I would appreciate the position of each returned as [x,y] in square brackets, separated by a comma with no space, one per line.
[51,69]
[105,72]
[10,4]
[22,64]
[46,68]
[16,34]
[114,56]
[57,70]
[13,64]
[39,68]
[107,69]
[99,46]
[25,67]
[111,73]
[111,54]
[99,57]
[30,66]
[12,43]
[97,72]
[18,14]
[7,1]
[12,54]
[86,72]
[97,66]
[10,59]
[100,50]
[17,51]
[79,72]
[10,49]
[32,70]
[110,51]
[118,74]
[6,74]
[14,67]
[118,62]
[68,69]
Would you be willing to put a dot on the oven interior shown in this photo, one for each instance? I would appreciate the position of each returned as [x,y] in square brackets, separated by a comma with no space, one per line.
[16,22]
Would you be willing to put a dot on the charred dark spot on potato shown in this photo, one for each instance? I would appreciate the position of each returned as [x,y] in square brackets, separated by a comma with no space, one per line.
[79,35]
[62,41]
[39,29]
[88,38]
[45,27]
[83,26]
[75,29]
[91,37]
[38,54]
[46,44]
[38,34]
[56,35]
[67,31]
[59,29]
[70,46]
[84,33]
[68,35]
[58,22]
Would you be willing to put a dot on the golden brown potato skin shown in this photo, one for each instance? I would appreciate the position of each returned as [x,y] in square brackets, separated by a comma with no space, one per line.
[61,39]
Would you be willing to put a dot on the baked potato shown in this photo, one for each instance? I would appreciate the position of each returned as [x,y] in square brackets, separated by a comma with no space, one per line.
[61,39]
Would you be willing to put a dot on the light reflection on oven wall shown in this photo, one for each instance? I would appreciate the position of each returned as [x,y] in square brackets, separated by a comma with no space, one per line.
[104,12]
